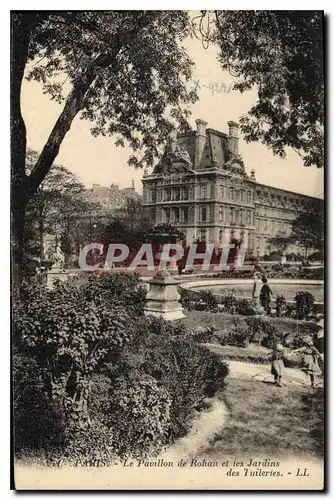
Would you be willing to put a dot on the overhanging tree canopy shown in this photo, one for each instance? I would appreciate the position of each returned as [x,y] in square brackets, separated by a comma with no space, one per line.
[126,69]
[281,54]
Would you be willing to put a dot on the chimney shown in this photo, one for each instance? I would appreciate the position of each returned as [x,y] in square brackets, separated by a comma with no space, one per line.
[133,184]
[233,137]
[200,141]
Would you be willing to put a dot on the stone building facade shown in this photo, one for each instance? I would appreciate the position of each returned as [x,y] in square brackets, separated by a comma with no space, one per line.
[201,186]
[112,197]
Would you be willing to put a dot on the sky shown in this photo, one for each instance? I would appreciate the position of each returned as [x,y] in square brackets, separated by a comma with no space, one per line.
[99,161]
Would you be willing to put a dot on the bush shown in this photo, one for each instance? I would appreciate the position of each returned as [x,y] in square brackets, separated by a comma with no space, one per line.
[304,304]
[35,421]
[209,300]
[203,334]
[240,334]
[280,305]
[201,301]
[229,302]
[248,307]
[170,354]
[105,379]
[187,299]
[139,416]
[316,256]
[262,331]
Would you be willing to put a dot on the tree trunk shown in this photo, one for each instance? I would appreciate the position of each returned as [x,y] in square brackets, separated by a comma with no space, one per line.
[21,25]
[41,239]
[74,104]
[17,237]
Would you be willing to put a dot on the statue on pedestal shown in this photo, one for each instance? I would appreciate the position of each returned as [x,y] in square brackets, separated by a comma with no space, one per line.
[58,258]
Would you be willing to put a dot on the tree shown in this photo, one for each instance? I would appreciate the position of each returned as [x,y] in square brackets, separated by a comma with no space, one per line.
[308,231]
[281,54]
[282,242]
[125,68]
[56,202]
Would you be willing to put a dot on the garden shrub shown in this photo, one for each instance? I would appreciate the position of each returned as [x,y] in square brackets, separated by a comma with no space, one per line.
[31,408]
[209,300]
[239,335]
[304,304]
[170,354]
[262,331]
[201,301]
[229,301]
[187,299]
[109,381]
[248,307]
[139,416]
[203,334]
[280,305]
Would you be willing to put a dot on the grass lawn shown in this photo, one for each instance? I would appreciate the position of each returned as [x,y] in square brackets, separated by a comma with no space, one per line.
[270,422]
[225,321]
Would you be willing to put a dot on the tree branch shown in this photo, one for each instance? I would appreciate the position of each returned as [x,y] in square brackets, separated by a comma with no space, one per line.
[74,103]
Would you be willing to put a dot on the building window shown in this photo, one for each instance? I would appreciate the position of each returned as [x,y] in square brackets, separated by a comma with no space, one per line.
[220,213]
[242,196]
[231,215]
[221,192]
[237,195]
[257,224]
[175,194]
[249,217]
[185,215]
[249,197]
[203,214]
[265,225]
[184,193]
[166,194]
[203,235]
[167,216]
[231,193]
[203,193]
[221,236]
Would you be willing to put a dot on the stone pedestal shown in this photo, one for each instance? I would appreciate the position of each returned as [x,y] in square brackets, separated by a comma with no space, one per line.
[162,299]
[55,274]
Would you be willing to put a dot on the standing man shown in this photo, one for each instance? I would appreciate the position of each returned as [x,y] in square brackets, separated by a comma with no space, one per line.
[265,295]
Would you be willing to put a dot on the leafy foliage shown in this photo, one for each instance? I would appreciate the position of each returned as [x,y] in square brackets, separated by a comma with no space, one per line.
[304,304]
[107,380]
[308,231]
[281,54]
[280,305]
[248,307]
[124,71]
[239,334]
[138,70]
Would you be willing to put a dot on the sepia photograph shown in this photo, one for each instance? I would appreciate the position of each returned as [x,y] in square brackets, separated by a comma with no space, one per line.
[167,250]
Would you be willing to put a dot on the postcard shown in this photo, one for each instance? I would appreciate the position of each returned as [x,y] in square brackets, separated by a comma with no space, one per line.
[167,250]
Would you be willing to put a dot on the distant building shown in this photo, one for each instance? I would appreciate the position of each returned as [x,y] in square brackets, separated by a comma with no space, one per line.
[111,198]
[201,186]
